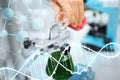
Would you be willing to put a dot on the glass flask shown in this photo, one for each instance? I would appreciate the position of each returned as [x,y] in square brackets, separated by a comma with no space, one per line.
[60,73]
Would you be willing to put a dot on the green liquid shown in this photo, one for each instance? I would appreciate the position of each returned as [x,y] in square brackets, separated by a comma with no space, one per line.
[61,73]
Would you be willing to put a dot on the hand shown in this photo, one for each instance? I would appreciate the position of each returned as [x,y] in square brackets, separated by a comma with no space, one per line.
[73,10]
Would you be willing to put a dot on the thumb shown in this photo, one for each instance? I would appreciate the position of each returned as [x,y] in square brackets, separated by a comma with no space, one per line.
[57,8]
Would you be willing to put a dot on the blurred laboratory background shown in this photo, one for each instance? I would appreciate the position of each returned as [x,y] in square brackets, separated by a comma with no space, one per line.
[34,47]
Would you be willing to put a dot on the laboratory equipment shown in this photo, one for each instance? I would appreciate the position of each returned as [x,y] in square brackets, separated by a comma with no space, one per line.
[103,20]
[58,47]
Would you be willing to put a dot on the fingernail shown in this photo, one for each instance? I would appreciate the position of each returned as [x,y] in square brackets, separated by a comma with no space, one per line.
[58,18]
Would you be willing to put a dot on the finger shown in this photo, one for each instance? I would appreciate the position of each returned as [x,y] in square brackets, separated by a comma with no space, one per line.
[75,6]
[56,6]
[78,7]
[68,10]
[81,11]
[60,17]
